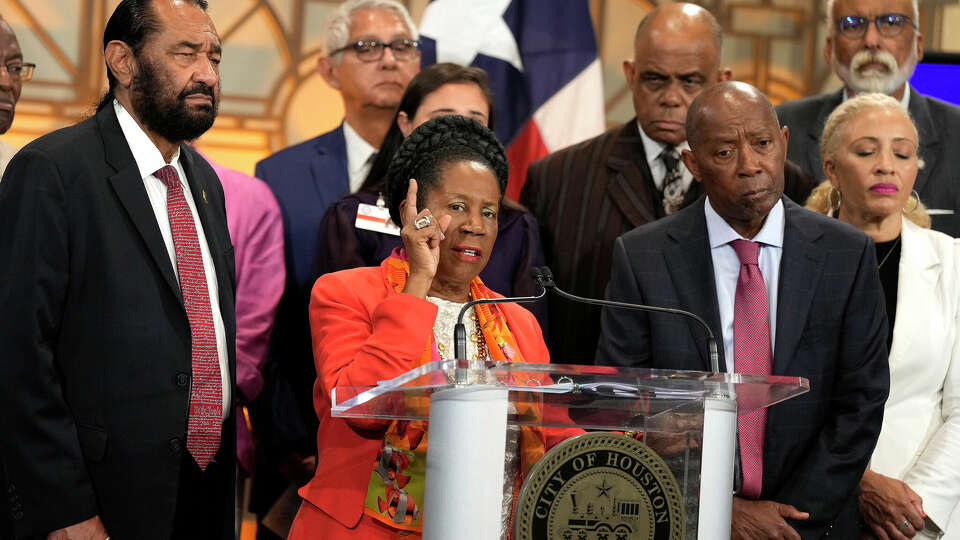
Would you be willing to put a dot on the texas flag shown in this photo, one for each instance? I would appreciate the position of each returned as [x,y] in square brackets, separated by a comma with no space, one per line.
[541,56]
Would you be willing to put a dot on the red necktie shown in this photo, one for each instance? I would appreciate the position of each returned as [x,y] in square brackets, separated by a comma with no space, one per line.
[751,353]
[205,416]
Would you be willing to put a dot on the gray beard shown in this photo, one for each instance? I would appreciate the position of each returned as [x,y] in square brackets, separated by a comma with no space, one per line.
[875,81]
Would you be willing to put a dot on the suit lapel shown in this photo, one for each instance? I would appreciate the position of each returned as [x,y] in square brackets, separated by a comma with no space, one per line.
[690,265]
[128,185]
[199,182]
[920,269]
[629,185]
[198,187]
[800,267]
[929,138]
[330,165]
[813,150]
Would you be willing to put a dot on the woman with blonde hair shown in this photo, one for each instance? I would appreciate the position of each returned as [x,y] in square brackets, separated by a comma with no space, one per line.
[912,484]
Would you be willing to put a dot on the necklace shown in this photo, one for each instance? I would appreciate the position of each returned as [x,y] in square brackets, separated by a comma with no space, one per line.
[889,252]
[476,336]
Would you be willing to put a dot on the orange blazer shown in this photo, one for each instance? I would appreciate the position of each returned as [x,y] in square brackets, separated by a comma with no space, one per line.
[364,332]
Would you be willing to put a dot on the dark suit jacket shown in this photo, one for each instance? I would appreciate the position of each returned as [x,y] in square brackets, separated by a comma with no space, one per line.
[831,329]
[938,183]
[94,382]
[306,179]
[584,197]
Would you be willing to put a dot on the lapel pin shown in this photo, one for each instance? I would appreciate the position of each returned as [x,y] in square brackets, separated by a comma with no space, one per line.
[204,193]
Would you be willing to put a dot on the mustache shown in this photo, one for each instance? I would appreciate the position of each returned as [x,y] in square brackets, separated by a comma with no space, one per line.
[863,58]
[199,88]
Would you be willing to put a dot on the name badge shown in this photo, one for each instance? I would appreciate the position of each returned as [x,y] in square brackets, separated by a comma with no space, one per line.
[376,218]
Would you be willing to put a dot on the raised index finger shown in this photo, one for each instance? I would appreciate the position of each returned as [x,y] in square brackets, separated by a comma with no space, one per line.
[409,212]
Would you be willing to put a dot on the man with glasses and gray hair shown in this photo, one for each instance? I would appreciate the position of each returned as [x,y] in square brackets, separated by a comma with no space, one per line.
[370,53]
[12,75]
[873,46]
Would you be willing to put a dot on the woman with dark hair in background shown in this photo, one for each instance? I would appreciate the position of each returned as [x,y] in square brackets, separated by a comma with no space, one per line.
[353,233]
[371,324]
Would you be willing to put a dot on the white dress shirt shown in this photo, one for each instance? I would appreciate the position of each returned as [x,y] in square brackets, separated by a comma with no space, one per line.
[726,269]
[359,154]
[904,101]
[658,169]
[149,160]
[7,152]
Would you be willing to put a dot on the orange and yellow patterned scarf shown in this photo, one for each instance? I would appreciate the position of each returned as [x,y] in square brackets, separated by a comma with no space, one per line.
[395,492]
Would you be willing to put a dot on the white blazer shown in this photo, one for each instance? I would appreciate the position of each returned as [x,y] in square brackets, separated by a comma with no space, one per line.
[920,438]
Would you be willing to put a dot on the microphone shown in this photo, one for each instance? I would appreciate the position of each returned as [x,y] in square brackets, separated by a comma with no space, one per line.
[544,278]
[460,332]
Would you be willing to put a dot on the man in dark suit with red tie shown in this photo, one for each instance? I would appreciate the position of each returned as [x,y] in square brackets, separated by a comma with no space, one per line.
[789,292]
[117,281]
[587,195]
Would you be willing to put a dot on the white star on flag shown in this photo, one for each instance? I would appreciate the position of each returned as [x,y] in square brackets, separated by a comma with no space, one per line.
[465,28]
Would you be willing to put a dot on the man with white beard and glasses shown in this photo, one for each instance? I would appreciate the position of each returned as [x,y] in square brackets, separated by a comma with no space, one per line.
[873,46]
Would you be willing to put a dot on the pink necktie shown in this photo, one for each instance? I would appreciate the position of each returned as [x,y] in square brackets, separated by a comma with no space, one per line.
[205,416]
[751,353]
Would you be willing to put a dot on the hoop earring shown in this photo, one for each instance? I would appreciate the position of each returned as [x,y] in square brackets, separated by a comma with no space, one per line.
[915,197]
[834,208]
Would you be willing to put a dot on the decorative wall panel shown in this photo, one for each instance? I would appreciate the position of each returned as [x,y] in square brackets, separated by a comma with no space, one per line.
[273,97]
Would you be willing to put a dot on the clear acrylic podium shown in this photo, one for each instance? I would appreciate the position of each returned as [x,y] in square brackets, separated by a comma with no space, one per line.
[689,418]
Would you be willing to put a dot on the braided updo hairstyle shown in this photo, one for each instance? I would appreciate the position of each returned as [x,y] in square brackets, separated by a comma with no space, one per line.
[434,145]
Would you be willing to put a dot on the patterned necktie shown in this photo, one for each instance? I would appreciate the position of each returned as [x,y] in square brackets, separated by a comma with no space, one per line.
[672,190]
[751,353]
[205,416]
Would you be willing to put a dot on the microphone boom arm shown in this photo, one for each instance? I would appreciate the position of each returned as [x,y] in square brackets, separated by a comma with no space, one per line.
[545,278]
[460,332]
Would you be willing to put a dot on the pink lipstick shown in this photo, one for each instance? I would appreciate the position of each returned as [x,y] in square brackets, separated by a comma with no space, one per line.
[884,189]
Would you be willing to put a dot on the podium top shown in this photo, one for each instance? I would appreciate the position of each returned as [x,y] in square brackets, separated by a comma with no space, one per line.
[558,395]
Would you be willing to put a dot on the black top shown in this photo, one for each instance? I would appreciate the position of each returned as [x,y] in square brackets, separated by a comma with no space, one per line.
[888,261]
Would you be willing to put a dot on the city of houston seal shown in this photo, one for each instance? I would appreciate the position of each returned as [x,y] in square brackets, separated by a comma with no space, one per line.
[600,486]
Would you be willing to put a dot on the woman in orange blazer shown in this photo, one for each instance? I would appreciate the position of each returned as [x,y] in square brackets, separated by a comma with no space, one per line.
[373,324]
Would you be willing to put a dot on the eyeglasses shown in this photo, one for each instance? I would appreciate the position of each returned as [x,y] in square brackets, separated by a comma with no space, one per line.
[888,24]
[20,71]
[371,50]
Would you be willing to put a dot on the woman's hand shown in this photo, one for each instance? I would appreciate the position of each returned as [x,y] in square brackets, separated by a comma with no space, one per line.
[422,245]
[885,503]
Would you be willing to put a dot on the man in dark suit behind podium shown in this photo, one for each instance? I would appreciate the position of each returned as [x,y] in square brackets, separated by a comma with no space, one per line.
[117,286]
[587,195]
[788,292]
